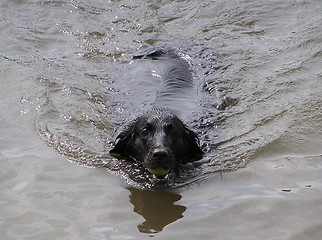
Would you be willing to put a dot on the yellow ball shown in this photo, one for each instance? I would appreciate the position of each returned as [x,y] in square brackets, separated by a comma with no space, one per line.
[159,172]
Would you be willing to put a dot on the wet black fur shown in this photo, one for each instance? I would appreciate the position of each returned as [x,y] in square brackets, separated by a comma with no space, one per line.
[158,138]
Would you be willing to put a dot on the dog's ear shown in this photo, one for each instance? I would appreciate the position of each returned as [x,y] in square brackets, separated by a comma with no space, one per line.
[122,145]
[194,152]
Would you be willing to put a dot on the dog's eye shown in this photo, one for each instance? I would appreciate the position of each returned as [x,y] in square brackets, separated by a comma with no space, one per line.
[145,132]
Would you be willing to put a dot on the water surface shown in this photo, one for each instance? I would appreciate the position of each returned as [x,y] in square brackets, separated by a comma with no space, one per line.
[257,72]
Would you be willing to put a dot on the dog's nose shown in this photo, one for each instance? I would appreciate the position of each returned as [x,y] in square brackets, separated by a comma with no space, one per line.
[160,155]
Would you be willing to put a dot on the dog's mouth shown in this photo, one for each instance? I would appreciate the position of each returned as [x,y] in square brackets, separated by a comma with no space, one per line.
[159,173]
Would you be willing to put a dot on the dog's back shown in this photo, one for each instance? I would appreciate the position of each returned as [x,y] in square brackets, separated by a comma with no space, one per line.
[176,91]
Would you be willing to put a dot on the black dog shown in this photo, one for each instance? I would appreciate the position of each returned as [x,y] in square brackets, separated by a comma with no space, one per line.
[158,138]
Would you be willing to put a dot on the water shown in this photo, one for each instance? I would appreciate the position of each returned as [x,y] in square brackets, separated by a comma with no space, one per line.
[257,68]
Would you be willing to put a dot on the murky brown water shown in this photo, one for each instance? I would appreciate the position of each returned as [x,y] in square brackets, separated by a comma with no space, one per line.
[60,66]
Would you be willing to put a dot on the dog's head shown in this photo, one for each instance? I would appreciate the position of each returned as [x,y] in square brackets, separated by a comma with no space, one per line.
[159,140]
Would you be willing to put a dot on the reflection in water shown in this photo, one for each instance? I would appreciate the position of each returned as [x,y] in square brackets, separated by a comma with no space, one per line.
[157,208]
